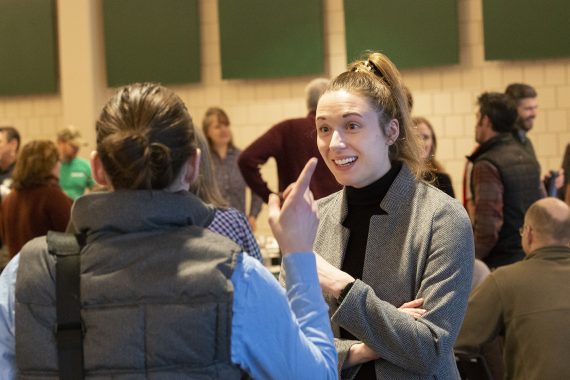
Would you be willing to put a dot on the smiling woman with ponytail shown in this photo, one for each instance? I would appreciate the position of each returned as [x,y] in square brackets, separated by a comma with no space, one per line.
[387,237]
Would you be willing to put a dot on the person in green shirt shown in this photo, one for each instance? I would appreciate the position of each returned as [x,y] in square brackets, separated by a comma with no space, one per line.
[75,176]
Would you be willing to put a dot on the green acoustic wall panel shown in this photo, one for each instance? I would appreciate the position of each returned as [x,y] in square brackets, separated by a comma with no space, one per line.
[413,33]
[526,29]
[263,39]
[151,41]
[28,51]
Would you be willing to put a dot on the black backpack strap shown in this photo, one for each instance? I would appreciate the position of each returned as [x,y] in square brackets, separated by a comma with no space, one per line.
[69,331]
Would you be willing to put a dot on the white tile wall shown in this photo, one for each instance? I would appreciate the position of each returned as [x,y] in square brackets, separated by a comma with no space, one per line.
[445,95]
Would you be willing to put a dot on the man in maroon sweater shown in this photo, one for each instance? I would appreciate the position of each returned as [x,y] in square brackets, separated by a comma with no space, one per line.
[291,143]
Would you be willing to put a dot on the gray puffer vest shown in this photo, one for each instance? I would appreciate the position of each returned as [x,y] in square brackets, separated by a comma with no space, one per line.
[156,302]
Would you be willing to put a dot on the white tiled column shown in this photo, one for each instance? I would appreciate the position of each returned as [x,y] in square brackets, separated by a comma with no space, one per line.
[82,66]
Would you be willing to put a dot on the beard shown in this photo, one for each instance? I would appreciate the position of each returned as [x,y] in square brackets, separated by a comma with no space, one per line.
[527,124]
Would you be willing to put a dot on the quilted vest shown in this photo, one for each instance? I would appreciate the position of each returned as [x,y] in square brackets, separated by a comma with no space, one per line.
[155,305]
[520,174]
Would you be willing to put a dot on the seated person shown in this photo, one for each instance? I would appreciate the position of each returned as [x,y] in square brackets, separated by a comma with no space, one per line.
[527,302]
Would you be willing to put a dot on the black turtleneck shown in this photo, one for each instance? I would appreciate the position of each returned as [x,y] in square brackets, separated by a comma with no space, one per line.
[363,203]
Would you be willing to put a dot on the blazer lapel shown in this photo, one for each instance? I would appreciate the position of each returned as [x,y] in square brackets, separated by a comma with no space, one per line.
[386,230]
[332,241]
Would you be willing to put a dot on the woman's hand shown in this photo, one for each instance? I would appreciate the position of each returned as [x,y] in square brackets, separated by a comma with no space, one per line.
[413,308]
[331,279]
[362,353]
[359,353]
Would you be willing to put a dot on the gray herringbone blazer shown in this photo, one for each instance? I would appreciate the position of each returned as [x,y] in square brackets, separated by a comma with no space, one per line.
[423,247]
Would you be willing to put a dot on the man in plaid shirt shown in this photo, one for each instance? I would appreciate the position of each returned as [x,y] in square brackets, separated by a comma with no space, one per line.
[505,181]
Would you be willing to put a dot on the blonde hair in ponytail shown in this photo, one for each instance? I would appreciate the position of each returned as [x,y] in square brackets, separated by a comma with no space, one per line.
[378,79]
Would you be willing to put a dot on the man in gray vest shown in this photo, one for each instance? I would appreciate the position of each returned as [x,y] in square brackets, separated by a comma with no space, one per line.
[528,302]
[505,181]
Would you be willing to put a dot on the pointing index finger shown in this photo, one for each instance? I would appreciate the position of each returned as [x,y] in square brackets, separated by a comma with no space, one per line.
[302,183]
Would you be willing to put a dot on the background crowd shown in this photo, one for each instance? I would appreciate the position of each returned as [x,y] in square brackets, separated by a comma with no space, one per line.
[394,250]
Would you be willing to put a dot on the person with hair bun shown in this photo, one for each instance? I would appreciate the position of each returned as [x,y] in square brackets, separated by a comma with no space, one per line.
[36,203]
[436,173]
[161,296]
[387,237]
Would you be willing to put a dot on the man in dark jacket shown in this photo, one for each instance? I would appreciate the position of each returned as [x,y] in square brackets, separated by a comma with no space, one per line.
[505,181]
[291,143]
[525,97]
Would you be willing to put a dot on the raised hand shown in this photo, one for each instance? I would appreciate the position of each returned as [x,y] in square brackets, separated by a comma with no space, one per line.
[294,224]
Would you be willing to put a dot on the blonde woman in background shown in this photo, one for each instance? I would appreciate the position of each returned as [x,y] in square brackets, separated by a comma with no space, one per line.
[216,128]
[229,221]
[436,173]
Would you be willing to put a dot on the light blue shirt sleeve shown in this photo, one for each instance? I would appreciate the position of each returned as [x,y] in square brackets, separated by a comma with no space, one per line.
[278,334]
[7,323]
[275,335]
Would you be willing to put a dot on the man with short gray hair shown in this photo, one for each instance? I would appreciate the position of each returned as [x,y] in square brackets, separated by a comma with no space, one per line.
[291,143]
[528,302]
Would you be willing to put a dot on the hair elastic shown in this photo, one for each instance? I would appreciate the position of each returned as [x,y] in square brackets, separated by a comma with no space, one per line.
[371,66]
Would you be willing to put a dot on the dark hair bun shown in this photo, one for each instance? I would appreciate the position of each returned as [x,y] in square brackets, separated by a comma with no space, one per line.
[140,163]
[159,160]
[144,137]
